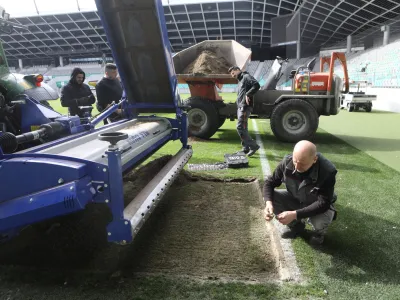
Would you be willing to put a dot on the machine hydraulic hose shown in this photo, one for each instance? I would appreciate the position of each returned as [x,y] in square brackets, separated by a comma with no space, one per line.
[9,142]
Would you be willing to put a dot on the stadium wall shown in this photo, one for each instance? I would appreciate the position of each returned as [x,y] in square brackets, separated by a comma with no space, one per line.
[388,99]
[378,41]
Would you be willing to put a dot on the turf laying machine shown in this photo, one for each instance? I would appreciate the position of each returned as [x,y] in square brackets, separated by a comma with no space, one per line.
[294,113]
[87,163]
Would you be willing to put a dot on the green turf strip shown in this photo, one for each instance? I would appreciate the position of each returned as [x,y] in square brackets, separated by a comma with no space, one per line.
[376,133]
[361,257]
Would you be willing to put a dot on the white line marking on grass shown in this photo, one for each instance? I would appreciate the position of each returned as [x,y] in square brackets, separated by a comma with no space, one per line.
[263,158]
[289,268]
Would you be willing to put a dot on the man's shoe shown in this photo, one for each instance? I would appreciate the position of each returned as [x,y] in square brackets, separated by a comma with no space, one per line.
[244,150]
[252,151]
[317,239]
[293,231]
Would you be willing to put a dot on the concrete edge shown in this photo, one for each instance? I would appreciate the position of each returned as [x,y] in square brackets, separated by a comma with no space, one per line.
[283,253]
[283,250]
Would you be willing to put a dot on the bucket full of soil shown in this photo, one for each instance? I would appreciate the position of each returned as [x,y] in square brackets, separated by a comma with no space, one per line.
[208,63]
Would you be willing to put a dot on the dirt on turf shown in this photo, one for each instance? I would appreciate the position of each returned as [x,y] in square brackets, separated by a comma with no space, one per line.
[193,139]
[208,62]
[205,229]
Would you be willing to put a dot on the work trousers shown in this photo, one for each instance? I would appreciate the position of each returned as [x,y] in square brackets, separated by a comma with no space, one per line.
[243,115]
[283,201]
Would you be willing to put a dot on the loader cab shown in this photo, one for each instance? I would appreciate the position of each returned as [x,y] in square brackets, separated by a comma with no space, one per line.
[310,66]
[275,74]
[308,82]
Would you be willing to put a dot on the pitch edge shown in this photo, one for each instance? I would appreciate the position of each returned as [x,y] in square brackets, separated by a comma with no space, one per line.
[286,258]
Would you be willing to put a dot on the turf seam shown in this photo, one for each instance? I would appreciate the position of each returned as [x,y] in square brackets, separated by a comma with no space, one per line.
[288,268]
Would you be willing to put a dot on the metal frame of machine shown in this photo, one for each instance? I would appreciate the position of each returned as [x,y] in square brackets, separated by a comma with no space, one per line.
[87,165]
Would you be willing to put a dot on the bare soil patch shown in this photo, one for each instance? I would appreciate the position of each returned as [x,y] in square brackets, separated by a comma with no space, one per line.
[210,229]
[202,228]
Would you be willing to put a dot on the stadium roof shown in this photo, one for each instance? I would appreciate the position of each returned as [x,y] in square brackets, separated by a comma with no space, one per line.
[328,21]
[73,27]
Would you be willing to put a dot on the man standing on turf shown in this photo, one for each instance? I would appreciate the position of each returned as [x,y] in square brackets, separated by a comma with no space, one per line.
[76,93]
[109,90]
[248,86]
[310,181]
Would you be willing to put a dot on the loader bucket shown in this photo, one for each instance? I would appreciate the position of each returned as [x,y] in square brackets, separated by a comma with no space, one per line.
[233,52]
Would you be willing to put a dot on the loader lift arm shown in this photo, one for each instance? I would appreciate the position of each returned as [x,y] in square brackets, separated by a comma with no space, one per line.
[330,60]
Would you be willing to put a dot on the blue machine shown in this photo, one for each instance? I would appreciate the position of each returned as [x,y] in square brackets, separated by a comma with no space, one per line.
[87,164]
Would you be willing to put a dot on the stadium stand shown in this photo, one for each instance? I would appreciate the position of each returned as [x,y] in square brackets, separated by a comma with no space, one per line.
[89,68]
[34,69]
[375,63]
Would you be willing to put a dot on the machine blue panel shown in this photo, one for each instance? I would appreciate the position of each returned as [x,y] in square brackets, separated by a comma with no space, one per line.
[33,114]
[137,34]
[25,175]
[53,202]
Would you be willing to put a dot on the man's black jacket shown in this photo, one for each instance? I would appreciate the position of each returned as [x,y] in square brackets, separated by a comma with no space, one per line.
[314,190]
[248,86]
[74,95]
[107,91]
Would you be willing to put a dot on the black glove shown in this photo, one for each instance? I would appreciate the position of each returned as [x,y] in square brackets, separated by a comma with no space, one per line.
[84,101]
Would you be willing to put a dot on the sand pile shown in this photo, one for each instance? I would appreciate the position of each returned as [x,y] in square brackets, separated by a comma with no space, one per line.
[208,62]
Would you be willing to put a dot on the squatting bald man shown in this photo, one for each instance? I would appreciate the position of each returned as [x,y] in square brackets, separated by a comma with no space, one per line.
[310,181]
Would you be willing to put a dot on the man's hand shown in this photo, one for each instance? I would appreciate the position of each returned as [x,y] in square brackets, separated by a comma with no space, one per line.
[119,111]
[269,211]
[247,100]
[82,101]
[287,217]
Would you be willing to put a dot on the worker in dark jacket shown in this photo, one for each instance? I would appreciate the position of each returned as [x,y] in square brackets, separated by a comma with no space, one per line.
[76,93]
[109,90]
[310,181]
[248,86]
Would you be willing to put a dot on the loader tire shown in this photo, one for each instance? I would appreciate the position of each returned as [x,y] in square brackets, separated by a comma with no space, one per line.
[218,105]
[221,121]
[294,120]
[203,117]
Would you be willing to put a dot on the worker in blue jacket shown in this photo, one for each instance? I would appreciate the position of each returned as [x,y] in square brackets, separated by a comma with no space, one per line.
[248,86]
